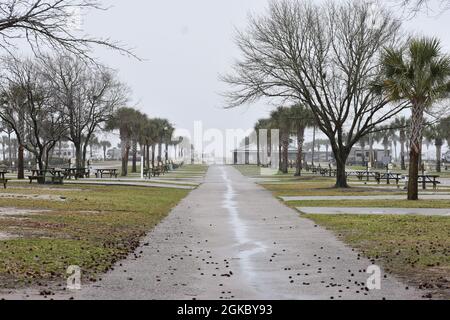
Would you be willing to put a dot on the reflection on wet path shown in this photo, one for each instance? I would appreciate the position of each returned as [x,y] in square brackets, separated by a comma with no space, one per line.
[247,246]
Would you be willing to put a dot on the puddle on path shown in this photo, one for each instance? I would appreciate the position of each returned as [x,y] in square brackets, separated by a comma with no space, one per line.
[247,246]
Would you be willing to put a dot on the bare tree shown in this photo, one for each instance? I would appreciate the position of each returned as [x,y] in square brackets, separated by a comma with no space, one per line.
[415,6]
[30,110]
[50,23]
[325,56]
[88,97]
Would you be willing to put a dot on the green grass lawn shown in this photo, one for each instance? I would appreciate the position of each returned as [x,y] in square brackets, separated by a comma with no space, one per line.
[93,228]
[415,248]
[429,204]
[324,187]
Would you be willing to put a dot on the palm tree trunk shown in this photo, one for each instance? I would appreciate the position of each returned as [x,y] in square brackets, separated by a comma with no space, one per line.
[20,163]
[415,151]
[3,150]
[159,152]
[285,150]
[258,159]
[153,155]
[9,149]
[167,152]
[313,145]
[125,154]
[134,153]
[147,150]
[402,154]
[438,154]
[300,141]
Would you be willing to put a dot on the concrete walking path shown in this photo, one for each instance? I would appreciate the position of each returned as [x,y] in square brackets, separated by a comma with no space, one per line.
[375,211]
[231,239]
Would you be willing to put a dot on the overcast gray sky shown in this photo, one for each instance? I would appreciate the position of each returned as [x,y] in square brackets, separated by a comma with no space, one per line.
[186,44]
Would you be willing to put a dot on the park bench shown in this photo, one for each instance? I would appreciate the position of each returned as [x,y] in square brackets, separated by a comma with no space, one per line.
[156,171]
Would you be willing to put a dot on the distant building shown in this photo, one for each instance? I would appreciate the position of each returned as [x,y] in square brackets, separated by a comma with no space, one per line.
[114,154]
[359,157]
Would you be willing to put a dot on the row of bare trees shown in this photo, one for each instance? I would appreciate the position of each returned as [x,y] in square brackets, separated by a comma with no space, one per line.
[52,98]
[348,63]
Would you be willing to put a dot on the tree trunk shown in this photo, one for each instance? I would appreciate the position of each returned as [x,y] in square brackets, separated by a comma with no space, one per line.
[134,153]
[78,156]
[167,152]
[402,155]
[104,153]
[159,152]
[341,176]
[415,151]
[284,163]
[153,155]
[438,154]
[280,157]
[258,159]
[20,163]
[147,150]
[9,150]
[125,154]
[300,141]
[313,146]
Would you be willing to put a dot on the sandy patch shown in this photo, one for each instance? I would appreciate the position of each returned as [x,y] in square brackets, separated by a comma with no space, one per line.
[20,212]
[6,236]
[47,197]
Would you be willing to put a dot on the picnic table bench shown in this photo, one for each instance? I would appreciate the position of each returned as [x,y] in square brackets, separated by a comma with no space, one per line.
[3,178]
[76,173]
[425,179]
[388,176]
[49,176]
[112,173]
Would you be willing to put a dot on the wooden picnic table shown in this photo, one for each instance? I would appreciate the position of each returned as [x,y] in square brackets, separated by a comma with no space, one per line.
[3,178]
[76,173]
[111,172]
[427,178]
[388,176]
[56,176]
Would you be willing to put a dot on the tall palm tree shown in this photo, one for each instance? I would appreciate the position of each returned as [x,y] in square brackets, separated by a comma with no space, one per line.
[281,119]
[419,75]
[401,124]
[125,120]
[150,138]
[363,142]
[260,125]
[105,145]
[302,118]
[435,134]
[167,139]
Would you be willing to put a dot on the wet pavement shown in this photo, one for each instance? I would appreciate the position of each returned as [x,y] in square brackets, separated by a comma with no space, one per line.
[230,239]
